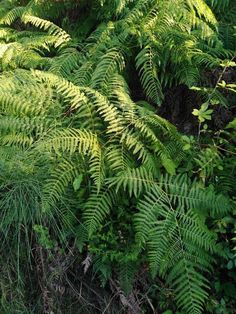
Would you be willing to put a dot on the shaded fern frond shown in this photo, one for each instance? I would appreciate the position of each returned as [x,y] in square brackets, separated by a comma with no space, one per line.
[135,181]
[110,62]
[169,222]
[148,75]
[97,207]
[56,185]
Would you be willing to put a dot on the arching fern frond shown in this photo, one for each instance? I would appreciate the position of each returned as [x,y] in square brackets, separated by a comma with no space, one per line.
[135,181]
[12,15]
[97,208]
[56,185]
[52,29]
[111,62]
[65,63]
[69,140]
[164,221]
[148,75]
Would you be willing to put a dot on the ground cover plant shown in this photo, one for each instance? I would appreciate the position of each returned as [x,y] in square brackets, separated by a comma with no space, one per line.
[117,156]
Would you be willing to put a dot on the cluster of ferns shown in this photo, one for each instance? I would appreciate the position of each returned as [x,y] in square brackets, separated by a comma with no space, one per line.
[85,158]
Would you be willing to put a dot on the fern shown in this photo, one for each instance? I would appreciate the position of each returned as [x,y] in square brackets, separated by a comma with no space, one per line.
[84,156]
[149,78]
[208,160]
[65,63]
[55,187]
[69,140]
[97,208]
[126,275]
[164,222]
[112,61]
[134,180]
[52,29]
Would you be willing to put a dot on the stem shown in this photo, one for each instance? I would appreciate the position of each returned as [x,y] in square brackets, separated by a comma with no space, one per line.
[199,131]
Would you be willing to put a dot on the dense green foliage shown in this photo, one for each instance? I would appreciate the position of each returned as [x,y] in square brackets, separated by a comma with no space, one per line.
[105,205]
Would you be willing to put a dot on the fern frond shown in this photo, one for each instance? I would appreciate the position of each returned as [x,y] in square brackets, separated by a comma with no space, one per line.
[135,180]
[18,106]
[25,125]
[170,223]
[126,275]
[54,30]
[18,140]
[189,286]
[65,63]
[148,75]
[12,15]
[203,10]
[69,140]
[97,208]
[82,76]
[110,62]
[118,157]
[97,167]
[56,185]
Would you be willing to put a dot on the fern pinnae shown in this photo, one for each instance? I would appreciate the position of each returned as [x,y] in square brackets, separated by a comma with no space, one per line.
[12,15]
[65,63]
[180,228]
[148,75]
[149,207]
[112,61]
[97,166]
[56,185]
[118,157]
[47,26]
[134,180]
[106,110]
[97,208]
[69,140]
[82,76]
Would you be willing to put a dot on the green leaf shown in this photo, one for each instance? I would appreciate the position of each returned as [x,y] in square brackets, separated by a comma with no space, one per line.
[232,124]
[77,182]
[204,107]
[186,147]
[169,165]
[230,265]
[208,112]
[195,112]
